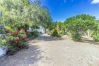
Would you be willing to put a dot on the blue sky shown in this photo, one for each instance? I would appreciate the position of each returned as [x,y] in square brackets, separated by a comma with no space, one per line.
[62,9]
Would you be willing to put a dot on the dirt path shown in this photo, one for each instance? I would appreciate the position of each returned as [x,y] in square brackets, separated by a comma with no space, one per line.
[51,52]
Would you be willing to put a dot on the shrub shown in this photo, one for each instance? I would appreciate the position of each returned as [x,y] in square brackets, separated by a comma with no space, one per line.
[22,34]
[16,42]
[12,50]
[76,37]
[9,29]
[3,42]
[55,33]
[12,44]
[11,38]
[23,45]
[33,34]
[96,37]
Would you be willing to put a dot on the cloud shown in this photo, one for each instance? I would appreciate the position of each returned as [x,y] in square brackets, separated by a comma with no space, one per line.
[95,2]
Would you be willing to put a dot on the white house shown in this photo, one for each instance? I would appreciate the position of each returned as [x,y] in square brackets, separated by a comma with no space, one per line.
[40,29]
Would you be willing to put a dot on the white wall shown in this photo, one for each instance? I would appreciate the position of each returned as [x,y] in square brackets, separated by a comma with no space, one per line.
[3,51]
[41,29]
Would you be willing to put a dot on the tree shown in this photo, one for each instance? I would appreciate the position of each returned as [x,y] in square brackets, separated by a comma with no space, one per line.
[23,14]
[80,25]
[45,18]
[96,31]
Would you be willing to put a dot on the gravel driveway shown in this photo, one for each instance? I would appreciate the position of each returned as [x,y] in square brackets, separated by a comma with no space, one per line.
[51,52]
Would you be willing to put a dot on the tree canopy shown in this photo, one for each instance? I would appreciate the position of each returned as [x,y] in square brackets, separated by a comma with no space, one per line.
[20,13]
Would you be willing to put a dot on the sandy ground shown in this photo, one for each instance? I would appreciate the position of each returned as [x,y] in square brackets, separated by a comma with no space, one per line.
[51,52]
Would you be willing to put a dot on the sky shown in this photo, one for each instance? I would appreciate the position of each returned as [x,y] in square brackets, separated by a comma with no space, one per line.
[60,10]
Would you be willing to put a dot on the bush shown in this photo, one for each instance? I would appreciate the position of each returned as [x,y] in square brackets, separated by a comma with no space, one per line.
[11,38]
[16,42]
[76,37]
[23,45]
[9,29]
[22,34]
[12,44]
[96,37]
[3,42]
[33,34]
[12,50]
[55,33]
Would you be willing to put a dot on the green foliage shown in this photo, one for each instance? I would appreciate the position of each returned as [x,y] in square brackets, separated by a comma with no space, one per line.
[11,38]
[15,43]
[33,34]
[55,33]
[23,44]
[3,42]
[76,37]
[80,24]
[96,36]
[59,26]
[22,34]
[2,30]
[9,29]
[22,14]
[52,26]
[12,49]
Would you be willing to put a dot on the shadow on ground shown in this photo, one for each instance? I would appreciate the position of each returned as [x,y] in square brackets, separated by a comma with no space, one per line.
[90,42]
[24,57]
[85,40]
[48,38]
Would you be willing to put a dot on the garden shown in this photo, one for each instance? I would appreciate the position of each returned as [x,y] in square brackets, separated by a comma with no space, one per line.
[16,19]
[17,16]
[77,27]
